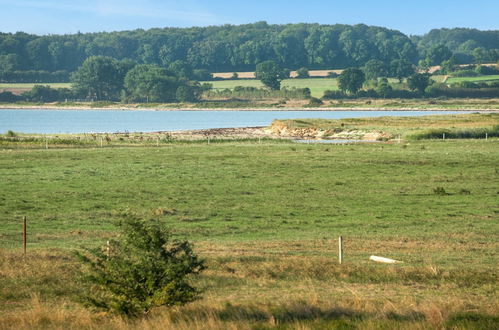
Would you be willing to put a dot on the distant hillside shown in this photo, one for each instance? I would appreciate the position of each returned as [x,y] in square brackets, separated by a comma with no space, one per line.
[464,43]
[230,48]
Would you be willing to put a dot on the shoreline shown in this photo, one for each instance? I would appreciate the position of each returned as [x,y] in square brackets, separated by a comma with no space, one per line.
[89,108]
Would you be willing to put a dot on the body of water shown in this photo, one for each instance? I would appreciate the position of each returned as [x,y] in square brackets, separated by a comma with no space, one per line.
[111,121]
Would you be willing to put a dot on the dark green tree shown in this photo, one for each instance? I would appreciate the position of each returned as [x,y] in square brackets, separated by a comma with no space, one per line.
[400,69]
[40,93]
[150,83]
[449,65]
[141,269]
[186,93]
[374,69]
[437,54]
[99,78]
[479,54]
[351,80]
[270,74]
[384,89]
[181,69]
[419,82]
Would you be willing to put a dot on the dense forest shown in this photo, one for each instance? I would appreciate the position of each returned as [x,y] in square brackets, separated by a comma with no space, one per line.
[467,45]
[27,57]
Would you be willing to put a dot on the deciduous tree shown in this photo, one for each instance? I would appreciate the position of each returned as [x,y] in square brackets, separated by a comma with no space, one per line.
[351,80]
[270,74]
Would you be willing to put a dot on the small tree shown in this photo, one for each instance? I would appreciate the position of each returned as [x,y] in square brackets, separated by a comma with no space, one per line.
[419,81]
[351,80]
[384,89]
[302,73]
[143,268]
[270,74]
[401,68]
[374,69]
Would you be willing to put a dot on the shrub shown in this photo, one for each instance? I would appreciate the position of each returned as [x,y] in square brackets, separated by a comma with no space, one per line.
[141,269]
[439,191]
[9,97]
[302,73]
[315,102]
[487,70]
[469,133]
[464,73]
[41,93]
[465,84]
[334,95]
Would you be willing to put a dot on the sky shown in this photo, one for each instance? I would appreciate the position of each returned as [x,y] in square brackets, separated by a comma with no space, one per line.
[72,16]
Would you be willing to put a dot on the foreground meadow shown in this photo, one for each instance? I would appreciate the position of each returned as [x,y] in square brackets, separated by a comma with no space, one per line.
[266,216]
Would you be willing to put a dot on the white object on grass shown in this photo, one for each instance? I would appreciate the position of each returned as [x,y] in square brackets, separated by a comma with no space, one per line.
[384,260]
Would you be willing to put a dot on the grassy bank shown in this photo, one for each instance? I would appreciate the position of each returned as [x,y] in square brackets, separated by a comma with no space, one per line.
[266,217]
[461,126]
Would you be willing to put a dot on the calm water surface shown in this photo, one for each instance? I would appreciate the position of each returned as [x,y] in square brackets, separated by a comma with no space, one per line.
[111,121]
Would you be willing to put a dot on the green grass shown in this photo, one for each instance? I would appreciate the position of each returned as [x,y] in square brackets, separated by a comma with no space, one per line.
[237,192]
[30,85]
[473,79]
[266,216]
[317,85]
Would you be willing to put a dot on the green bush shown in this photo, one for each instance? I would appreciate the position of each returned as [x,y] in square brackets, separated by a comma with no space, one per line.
[141,269]
[315,102]
[464,73]
[470,133]
[9,97]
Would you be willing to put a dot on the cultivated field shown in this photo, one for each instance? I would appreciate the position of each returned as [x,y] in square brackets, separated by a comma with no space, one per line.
[18,88]
[317,85]
[266,216]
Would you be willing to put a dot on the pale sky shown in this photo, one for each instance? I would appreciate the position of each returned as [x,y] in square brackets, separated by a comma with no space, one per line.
[410,17]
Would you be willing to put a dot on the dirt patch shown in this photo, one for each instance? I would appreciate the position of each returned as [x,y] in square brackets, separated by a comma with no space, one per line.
[293,74]
[225,133]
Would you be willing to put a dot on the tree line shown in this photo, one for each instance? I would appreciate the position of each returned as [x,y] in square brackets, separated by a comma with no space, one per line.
[231,48]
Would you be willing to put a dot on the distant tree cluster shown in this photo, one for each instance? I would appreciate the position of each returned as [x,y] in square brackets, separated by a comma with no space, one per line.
[104,78]
[216,48]
[465,45]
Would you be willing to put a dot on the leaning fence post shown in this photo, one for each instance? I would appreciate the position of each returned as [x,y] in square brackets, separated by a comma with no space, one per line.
[340,249]
[24,235]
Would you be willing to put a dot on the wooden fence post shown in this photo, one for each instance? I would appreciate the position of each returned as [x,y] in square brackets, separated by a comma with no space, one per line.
[24,235]
[340,249]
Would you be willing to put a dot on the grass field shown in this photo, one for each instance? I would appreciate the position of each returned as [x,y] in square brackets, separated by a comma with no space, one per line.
[474,79]
[266,216]
[30,85]
[317,85]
